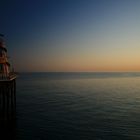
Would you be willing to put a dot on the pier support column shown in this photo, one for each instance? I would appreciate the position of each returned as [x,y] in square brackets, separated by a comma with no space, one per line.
[7,100]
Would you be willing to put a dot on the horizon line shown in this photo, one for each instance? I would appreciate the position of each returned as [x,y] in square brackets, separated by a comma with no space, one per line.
[78,71]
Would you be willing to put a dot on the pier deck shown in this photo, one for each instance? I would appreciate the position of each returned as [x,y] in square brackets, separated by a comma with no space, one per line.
[10,77]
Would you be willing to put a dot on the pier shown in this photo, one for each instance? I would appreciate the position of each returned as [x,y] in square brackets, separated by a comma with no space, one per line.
[7,99]
[7,85]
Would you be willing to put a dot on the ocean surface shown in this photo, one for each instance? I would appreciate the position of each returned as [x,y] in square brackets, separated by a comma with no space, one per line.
[78,106]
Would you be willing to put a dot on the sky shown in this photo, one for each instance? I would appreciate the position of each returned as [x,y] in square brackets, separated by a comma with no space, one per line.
[72,35]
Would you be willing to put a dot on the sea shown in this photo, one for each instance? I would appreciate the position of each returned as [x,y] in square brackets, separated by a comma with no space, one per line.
[78,106]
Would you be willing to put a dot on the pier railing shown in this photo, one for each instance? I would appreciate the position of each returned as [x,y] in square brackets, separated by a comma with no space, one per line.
[7,77]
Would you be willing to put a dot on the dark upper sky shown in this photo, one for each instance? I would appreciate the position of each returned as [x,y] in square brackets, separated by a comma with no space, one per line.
[72,35]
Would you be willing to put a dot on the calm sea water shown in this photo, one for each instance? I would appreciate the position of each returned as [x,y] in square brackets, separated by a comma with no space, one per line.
[78,106]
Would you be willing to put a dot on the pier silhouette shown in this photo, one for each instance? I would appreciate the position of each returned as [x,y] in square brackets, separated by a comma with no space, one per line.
[7,95]
[7,99]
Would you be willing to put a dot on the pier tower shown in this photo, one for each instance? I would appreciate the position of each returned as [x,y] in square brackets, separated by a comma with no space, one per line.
[4,64]
[7,84]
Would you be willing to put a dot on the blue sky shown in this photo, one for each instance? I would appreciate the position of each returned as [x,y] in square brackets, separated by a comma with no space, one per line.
[72,35]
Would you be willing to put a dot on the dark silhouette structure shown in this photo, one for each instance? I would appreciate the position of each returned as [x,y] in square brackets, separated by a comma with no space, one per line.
[7,99]
[7,94]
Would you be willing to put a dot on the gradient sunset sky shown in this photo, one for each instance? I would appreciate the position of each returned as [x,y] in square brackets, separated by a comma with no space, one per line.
[72,35]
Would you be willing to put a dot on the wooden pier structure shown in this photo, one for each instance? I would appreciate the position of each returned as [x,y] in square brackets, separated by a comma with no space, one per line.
[7,99]
[7,85]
